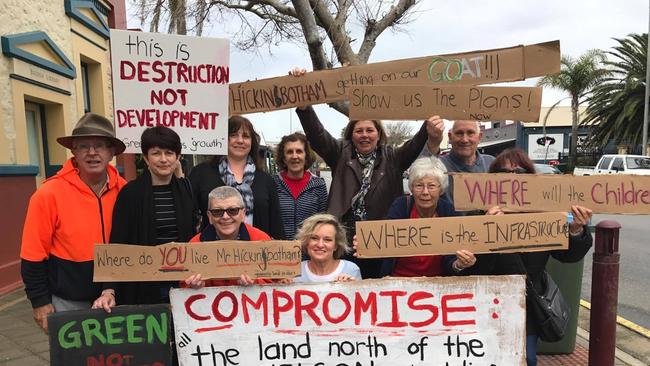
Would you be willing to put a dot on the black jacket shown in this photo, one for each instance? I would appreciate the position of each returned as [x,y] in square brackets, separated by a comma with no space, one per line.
[266,213]
[133,223]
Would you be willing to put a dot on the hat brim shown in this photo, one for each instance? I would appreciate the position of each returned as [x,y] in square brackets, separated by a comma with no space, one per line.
[66,141]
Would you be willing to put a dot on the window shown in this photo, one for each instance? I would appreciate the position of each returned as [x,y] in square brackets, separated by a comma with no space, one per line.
[86,86]
[605,163]
[617,164]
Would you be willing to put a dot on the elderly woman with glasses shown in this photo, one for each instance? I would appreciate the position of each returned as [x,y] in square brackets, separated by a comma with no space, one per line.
[323,239]
[427,182]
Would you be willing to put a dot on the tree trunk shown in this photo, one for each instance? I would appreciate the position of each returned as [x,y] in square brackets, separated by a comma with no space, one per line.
[574,134]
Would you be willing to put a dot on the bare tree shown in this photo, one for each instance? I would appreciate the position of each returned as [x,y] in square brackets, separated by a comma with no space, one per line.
[397,132]
[329,28]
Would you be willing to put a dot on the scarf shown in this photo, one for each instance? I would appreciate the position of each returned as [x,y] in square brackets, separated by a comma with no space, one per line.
[245,187]
[367,163]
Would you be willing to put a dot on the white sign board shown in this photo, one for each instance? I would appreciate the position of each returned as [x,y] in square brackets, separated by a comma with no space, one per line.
[549,148]
[396,321]
[176,81]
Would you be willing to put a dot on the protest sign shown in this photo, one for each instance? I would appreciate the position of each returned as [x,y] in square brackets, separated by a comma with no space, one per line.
[613,194]
[177,261]
[176,81]
[478,234]
[470,68]
[129,335]
[423,321]
[451,102]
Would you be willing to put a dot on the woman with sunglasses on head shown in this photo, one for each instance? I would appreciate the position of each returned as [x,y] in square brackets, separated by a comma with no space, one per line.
[532,264]
[242,169]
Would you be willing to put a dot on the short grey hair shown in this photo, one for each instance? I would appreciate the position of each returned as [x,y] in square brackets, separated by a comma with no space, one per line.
[309,226]
[428,167]
[225,192]
[478,124]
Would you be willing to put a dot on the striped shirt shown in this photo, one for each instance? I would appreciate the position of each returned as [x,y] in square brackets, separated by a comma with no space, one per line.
[164,214]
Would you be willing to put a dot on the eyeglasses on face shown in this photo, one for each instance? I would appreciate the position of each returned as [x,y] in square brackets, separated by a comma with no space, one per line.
[84,147]
[517,170]
[218,212]
[419,187]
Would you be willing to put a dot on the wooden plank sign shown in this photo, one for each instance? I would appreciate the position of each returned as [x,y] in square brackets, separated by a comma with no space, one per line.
[451,102]
[478,234]
[613,194]
[176,261]
[176,81]
[470,68]
[129,335]
[420,321]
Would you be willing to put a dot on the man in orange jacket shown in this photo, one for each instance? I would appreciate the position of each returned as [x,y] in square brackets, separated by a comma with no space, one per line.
[66,217]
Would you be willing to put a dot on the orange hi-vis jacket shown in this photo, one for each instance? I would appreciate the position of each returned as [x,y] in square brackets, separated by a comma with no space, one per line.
[65,219]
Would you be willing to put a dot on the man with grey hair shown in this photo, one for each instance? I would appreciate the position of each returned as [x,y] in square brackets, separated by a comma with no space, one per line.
[226,213]
[464,137]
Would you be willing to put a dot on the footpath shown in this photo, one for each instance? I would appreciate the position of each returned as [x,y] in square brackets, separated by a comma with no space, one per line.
[22,343]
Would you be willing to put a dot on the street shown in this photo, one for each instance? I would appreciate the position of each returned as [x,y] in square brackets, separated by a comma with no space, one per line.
[633,295]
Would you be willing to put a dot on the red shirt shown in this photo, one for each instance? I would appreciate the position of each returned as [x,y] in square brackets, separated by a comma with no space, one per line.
[295,185]
[422,265]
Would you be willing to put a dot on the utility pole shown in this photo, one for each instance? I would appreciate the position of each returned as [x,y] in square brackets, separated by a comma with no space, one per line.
[644,145]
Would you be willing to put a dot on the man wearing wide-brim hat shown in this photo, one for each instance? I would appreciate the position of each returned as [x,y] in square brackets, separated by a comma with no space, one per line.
[66,217]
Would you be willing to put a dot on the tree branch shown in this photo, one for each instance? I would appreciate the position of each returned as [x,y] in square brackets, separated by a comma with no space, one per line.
[375,28]
[335,30]
[310,30]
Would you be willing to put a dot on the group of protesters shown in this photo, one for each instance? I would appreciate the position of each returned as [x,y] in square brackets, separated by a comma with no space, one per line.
[232,197]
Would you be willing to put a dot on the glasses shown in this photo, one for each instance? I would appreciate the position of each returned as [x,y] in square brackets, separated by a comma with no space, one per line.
[516,170]
[98,146]
[218,212]
[430,187]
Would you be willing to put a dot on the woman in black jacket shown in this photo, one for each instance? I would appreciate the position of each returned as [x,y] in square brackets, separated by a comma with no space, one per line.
[241,169]
[155,208]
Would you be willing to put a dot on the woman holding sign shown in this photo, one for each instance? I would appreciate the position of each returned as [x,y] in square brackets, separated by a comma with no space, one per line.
[323,239]
[532,264]
[241,169]
[156,208]
[366,172]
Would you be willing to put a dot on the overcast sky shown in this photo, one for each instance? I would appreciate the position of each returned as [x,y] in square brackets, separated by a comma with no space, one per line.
[449,26]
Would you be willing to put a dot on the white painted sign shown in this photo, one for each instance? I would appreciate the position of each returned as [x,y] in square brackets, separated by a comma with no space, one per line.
[549,148]
[176,81]
[421,321]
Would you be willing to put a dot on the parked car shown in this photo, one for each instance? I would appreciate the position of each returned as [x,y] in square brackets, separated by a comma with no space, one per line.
[623,164]
[546,169]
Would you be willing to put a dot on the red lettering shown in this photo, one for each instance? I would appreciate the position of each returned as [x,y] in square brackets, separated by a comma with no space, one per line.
[188,307]
[446,309]
[472,191]
[156,67]
[326,307]
[394,311]
[262,302]
[123,70]
[370,304]
[217,311]
[142,71]
[593,195]
[278,308]
[421,295]
[308,308]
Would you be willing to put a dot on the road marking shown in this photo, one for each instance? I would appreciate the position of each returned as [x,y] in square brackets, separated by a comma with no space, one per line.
[622,321]
[12,302]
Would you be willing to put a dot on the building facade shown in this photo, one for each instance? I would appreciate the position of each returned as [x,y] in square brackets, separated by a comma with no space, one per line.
[55,66]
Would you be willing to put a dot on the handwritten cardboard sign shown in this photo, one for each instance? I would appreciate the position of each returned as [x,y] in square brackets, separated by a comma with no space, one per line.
[613,194]
[176,81]
[451,102]
[129,335]
[470,68]
[478,234]
[176,261]
[424,321]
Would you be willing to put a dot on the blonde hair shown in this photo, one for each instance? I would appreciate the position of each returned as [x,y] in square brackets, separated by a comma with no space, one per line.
[309,226]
